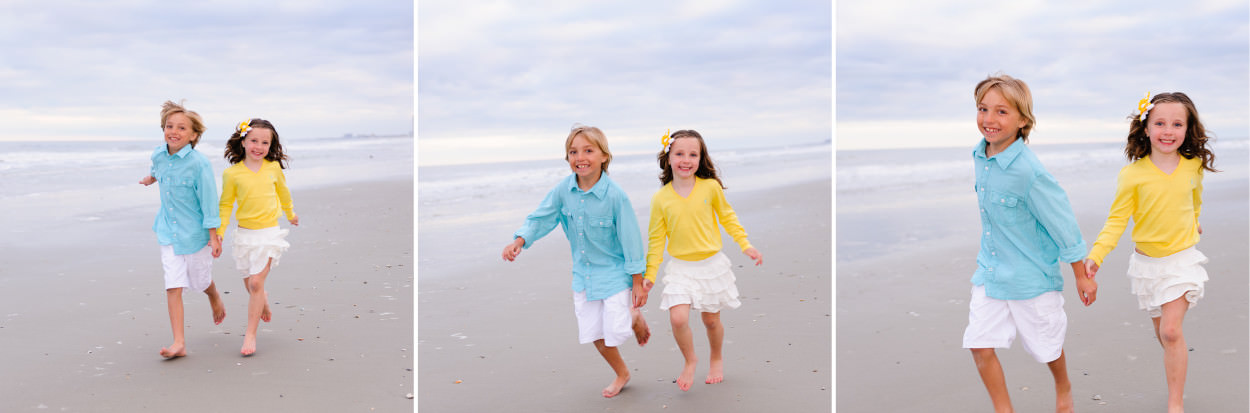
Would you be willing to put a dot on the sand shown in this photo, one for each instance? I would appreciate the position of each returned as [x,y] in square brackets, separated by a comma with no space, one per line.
[901,316]
[500,336]
[84,315]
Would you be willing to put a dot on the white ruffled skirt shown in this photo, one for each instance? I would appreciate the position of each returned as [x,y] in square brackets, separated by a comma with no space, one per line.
[707,285]
[253,248]
[1157,281]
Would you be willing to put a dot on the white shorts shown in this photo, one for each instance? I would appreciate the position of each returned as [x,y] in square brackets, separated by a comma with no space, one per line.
[608,319]
[190,271]
[253,248]
[1040,322]
[1157,281]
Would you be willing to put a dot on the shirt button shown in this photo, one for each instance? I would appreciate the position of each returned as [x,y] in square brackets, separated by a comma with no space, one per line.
[987,233]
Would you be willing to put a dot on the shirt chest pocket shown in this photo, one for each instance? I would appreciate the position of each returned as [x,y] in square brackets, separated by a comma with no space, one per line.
[178,184]
[600,228]
[1008,208]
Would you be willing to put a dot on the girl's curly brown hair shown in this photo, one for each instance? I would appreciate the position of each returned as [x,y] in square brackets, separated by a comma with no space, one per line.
[707,169]
[1195,144]
[234,146]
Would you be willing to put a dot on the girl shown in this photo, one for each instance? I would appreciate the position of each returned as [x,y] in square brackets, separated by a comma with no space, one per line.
[1162,191]
[255,179]
[606,245]
[685,212]
[1027,229]
[186,220]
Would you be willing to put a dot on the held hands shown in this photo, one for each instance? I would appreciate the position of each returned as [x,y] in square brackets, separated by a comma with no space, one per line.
[755,255]
[214,241]
[1086,287]
[642,288]
[1091,268]
[512,250]
[149,180]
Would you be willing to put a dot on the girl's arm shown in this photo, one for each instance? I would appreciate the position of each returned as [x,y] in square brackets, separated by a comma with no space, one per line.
[1122,207]
[1198,200]
[226,205]
[729,220]
[284,196]
[657,235]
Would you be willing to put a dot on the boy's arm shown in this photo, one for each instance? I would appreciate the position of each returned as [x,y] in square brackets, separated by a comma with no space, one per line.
[1049,204]
[206,188]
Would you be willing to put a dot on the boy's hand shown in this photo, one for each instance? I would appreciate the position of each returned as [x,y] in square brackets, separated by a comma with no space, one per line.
[147,180]
[1087,289]
[642,288]
[512,250]
[755,255]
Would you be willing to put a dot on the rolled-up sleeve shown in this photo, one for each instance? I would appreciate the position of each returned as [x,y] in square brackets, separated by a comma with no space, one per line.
[1049,203]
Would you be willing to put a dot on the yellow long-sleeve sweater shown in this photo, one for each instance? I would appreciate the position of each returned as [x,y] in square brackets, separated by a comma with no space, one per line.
[259,194]
[689,224]
[1164,208]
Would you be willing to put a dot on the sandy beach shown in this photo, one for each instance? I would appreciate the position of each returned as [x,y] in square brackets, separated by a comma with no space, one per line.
[902,305]
[84,315]
[496,335]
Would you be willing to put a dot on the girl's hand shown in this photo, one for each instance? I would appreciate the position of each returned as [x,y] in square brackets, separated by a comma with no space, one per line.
[1087,289]
[755,255]
[1199,229]
[294,219]
[149,180]
[1091,268]
[512,250]
[646,285]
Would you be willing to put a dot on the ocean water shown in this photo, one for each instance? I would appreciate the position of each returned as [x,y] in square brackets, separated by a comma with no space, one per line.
[42,182]
[903,199]
[468,212]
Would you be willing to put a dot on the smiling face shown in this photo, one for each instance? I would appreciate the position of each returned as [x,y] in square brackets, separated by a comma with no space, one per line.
[998,120]
[585,158]
[178,132]
[256,144]
[1166,126]
[683,158]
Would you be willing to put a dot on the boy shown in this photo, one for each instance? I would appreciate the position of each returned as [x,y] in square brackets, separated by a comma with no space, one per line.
[187,217]
[1027,227]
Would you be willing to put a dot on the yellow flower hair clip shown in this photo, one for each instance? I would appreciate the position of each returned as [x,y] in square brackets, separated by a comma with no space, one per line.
[1143,107]
[664,140]
[244,127]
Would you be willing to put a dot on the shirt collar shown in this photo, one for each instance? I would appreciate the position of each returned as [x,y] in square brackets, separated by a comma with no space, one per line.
[599,190]
[182,153]
[1006,157]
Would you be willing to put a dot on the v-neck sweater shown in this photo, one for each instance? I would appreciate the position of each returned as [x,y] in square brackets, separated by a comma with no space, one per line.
[689,224]
[1164,208]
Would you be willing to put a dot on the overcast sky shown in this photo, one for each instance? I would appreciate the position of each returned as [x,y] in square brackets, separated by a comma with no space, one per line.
[504,80]
[906,79]
[101,69]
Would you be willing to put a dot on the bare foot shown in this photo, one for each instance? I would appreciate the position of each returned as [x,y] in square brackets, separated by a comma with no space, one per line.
[616,386]
[641,331]
[716,372]
[249,345]
[687,377]
[1063,403]
[219,310]
[174,350]
[265,315]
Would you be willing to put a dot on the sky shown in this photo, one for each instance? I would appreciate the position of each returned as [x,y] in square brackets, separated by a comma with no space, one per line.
[906,80]
[505,80]
[91,70]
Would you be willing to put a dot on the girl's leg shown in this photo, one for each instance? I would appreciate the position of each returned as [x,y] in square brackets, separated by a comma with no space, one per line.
[256,303]
[1175,350]
[613,356]
[173,298]
[679,315]
[715,336]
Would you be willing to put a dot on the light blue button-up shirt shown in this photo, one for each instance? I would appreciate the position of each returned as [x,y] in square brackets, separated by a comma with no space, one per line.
[1027,225]
[188,199]
[602,231]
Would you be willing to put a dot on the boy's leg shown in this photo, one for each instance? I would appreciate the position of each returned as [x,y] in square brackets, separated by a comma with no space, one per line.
[256,303]
[715,336]
[613,356]
[1063,387]
[214,301]
[1175,350]
[992,375]
[173,298]
[679,316]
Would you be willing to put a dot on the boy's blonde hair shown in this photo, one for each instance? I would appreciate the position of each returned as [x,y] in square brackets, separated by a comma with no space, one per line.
[1017,93]
[592,134]
[197,123]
